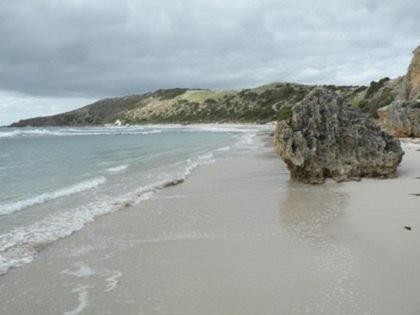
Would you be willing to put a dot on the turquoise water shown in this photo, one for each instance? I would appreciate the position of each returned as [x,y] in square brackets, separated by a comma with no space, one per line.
[55,180]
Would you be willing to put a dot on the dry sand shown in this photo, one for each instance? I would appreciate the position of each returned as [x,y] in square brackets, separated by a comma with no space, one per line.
[238,237]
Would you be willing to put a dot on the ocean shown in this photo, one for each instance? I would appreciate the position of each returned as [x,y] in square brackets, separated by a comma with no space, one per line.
[53,181]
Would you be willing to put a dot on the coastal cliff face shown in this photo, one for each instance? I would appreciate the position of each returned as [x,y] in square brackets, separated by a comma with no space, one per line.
[411,90]
[327,137]
[401,119]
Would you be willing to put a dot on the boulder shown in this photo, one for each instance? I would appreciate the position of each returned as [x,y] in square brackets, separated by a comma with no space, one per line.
[326,137]
[401,119]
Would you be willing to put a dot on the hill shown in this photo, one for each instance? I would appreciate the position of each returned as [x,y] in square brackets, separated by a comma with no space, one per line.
[258,105]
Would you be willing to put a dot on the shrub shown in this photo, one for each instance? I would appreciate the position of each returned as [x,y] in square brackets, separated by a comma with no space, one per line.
[169,93]
[284,113]
[375,86]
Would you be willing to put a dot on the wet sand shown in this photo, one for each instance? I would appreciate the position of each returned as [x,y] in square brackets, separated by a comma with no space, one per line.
[238,237]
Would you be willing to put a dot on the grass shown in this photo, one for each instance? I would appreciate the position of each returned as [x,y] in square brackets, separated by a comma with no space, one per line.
[202,95]
[276,85]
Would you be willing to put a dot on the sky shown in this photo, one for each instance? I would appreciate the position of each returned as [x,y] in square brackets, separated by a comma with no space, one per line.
[57,55]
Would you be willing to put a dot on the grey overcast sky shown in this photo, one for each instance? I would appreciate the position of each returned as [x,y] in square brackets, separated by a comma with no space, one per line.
[56,55]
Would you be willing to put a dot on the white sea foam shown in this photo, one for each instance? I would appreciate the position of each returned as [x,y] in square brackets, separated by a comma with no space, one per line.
[82,292]
[206,158]
[151,132]
[77,132]
[112,277]
[241,128]
[131,130]
[44,197]
[117,169]
[8,134]
[83,271]
[28,133]
[223,149]
[248,141]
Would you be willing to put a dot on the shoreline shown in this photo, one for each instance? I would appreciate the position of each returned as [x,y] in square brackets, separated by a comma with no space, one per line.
[238,237]
[21,244]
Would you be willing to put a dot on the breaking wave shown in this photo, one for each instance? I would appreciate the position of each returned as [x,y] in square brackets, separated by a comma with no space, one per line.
[44,197]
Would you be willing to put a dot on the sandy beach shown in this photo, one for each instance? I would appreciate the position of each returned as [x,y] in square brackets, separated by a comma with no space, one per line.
[238,237]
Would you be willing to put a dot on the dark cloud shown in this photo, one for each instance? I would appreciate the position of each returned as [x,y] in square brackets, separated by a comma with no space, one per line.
[94,48]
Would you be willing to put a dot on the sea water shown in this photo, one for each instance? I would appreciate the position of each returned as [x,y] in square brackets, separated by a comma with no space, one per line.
[53,181]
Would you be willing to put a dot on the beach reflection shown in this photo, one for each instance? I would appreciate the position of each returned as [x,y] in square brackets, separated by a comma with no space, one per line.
[308,209]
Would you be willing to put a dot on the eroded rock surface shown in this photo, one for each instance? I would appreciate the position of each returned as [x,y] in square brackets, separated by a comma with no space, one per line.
[413,77]
[401,119]
[326,137]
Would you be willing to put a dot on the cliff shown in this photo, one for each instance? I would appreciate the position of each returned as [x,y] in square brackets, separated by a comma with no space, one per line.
[411,85]
[402,117]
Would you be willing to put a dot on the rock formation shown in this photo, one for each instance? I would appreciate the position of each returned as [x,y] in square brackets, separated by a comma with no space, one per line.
[411,88]
[326,137]
[401,119]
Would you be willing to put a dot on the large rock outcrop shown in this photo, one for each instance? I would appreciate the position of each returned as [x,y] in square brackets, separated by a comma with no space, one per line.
[401,119]
[326,137]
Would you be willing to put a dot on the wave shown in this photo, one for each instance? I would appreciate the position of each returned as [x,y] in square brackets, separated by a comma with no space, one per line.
[44,197]
[208,157]
[21,244]
[117,169]
[249,141]
[130,130]
[76,132]
[223,149]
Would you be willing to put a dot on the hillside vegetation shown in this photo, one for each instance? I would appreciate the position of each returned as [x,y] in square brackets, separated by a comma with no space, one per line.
[258,105]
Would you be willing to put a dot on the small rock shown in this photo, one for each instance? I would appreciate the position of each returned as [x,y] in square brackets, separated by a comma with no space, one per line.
[173,182]
[407,228]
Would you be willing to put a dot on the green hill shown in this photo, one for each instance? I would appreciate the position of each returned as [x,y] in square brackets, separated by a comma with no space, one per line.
[258,105]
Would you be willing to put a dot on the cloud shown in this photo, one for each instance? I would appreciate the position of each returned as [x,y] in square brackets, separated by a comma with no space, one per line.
[96,48]
[15,106]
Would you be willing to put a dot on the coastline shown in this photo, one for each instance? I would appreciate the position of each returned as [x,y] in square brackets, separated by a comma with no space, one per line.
[113,184]
[238,237]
